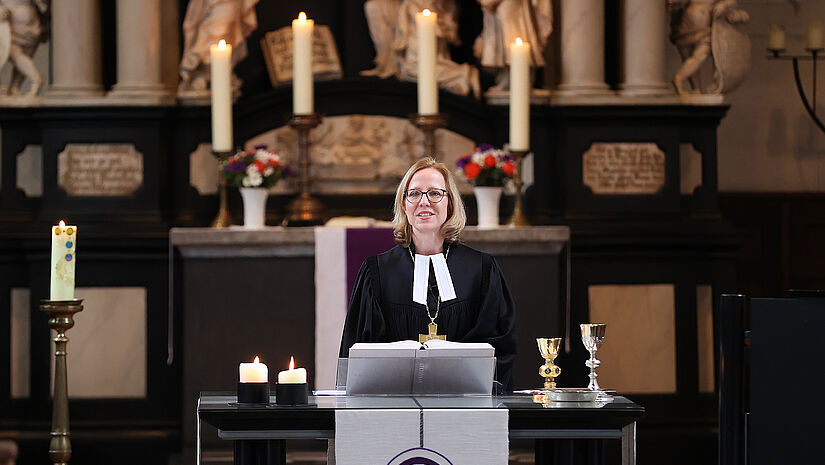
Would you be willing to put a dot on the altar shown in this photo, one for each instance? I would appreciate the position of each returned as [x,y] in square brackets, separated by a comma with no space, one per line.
[260,432]
[239,293]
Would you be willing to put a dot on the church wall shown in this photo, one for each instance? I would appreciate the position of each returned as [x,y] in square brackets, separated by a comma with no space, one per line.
[767,142]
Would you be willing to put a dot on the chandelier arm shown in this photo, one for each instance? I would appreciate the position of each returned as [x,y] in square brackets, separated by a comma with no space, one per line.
[801,91]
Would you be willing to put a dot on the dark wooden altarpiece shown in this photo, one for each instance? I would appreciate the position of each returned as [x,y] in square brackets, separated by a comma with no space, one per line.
[663,237]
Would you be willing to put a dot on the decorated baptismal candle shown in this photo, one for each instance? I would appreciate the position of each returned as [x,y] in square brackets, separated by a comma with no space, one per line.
[293,375]
[254,372]
[64,245]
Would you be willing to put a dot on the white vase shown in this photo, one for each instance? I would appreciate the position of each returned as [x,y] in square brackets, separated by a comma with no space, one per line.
[254,206]
[487,203]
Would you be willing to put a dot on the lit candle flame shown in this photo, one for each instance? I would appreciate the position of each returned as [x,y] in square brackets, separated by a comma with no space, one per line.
[222,45]
[519,42]
[291,363]
[257,360]
[62,224]
[426,12]
[302,17]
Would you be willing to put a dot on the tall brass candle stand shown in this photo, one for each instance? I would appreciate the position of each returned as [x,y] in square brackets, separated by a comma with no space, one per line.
[222,220]
[428,124]
[518,218]
[304,210]
[61,313]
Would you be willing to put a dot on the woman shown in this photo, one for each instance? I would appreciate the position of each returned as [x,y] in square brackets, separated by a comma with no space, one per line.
[467,302]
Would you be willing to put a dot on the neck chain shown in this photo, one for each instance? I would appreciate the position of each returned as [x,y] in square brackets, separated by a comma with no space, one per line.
[438,301]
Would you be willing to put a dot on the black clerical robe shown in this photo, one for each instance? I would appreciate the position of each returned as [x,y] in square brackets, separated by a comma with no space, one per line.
[382,308]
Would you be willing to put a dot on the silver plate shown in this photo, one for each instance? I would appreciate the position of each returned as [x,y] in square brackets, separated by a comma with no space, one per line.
[572,395]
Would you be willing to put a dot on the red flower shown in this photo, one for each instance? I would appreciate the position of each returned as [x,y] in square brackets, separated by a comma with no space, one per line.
[489,161]
[259,165]
[472,170]
[273,163]
[509,168]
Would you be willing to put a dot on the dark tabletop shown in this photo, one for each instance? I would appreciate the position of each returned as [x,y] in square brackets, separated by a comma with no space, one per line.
[220,409]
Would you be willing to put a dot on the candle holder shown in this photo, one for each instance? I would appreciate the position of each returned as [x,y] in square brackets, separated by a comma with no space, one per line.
[518,218]
[813,55]
[304,210]
[253,393]
[291,394]
[222,220]
[428,124]
[61,319]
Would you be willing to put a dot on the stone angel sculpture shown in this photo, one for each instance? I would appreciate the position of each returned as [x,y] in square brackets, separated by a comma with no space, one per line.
[703,28]
[393,31]
[504,20]
[207,22]
[382,19]
[23,27]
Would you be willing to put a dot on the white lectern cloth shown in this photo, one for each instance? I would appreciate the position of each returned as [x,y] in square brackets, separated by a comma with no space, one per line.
[445,436]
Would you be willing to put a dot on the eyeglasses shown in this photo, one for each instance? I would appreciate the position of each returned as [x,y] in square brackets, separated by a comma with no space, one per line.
[433,195]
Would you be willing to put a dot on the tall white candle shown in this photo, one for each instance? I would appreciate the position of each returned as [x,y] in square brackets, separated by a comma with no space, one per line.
[293,375]
[776,37]
[519,95]
[221,56]
[64,245]
[254,372]
[815,36]
[302,98]
[425,23]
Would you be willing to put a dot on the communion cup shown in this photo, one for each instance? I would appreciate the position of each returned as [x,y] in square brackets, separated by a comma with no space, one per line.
[593,338]
[549,350]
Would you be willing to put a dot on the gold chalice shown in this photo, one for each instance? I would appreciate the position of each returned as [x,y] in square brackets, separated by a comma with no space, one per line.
[549,350]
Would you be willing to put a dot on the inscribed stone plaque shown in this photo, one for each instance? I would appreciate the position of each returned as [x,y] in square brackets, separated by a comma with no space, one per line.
[277,48]
[623,168]
[101,170]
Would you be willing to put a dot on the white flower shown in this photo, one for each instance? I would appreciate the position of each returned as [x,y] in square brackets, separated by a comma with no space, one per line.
[253,178]
[262,155]
[268,171]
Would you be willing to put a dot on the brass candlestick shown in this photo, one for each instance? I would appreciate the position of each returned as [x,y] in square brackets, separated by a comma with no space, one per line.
[61,313]
[549,350]
[222,220]
[304,210]
[428,124]
[518,218]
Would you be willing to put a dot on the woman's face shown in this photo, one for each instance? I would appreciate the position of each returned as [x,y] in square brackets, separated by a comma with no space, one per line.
[424,216]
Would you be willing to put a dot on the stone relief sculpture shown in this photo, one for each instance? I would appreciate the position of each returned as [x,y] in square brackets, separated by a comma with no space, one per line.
[23,27]
[207,22]
[382,18]
[393,30]
[360,154]
[701,28]
[504,20]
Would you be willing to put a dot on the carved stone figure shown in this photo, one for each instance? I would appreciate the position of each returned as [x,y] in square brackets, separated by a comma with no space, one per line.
[206,23]
[459,78]
[22,29]
[382,19]
[504,20]
[700,28]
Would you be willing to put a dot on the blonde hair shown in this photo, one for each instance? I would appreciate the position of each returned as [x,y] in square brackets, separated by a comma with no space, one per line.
[456,216]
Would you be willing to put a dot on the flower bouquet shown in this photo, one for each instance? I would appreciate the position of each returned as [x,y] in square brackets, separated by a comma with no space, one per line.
[253,172]
[488,169]
[255,168]
[487,166]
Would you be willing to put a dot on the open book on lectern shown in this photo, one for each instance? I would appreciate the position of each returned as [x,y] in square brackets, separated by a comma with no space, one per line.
[411,367]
